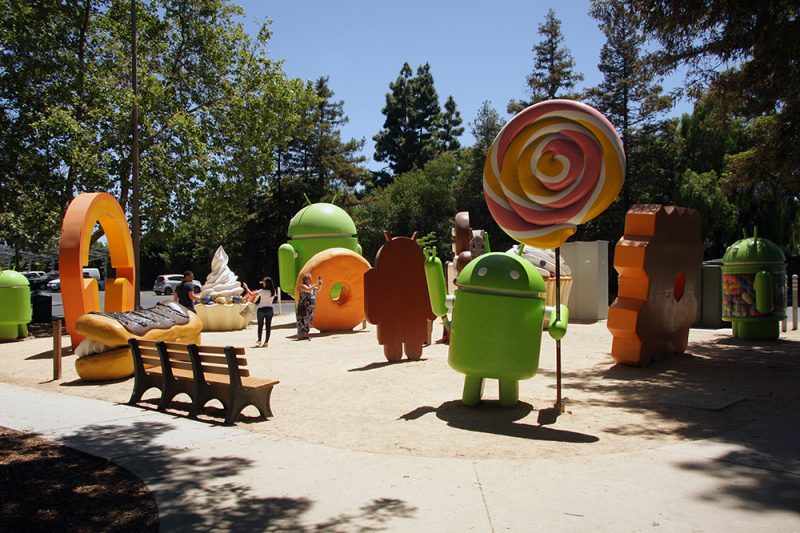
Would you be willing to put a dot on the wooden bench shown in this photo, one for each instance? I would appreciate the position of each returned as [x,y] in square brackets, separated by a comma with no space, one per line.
[203,372]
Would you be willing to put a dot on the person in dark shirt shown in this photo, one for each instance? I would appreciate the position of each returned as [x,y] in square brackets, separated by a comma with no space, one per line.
[184,293]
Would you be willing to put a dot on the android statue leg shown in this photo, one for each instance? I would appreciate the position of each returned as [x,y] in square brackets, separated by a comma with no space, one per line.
[473,390]
[413,351]
[509,392]
[765,331]
[393,352]
[735,328]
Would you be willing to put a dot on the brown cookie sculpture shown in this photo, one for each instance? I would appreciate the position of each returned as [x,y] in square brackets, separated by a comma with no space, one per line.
[396,298]
[658,260]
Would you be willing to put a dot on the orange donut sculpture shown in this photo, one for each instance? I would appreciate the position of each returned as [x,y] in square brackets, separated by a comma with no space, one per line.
[340,301]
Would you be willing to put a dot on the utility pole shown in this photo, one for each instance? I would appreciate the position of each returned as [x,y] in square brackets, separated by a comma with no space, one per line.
[135,220]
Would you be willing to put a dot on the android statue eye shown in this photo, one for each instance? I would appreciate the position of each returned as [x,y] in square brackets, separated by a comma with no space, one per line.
[482,271]
[514,274]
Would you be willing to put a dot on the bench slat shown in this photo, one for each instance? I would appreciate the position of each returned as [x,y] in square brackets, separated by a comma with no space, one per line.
[219,350]
[151,361]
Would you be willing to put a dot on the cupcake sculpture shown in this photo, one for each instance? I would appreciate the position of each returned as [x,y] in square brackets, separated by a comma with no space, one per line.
[221,308]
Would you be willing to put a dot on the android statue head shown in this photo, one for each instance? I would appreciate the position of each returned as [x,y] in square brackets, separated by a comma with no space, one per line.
[754,288]
[314,228]
[502,274]
[498,312]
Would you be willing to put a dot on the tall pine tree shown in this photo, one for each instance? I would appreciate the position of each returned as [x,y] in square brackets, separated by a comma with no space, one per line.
[554,74]
[628,94]
[450,128]
[409,138]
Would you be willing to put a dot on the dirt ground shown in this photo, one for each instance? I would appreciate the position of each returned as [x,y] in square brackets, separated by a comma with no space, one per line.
[338,390]
[46,487]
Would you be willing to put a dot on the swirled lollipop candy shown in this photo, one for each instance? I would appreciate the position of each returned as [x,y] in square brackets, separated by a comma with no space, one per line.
[553,166]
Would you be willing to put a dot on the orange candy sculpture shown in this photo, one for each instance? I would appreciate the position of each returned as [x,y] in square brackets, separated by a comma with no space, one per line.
[396,298]
[80,295]
[658,261]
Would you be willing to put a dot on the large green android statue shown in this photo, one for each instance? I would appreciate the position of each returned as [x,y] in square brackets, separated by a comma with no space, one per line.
[754,288]
[498,311]
[313,229]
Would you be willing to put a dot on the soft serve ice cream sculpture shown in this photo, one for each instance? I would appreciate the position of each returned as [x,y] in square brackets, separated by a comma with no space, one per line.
[220,286]
[221,282]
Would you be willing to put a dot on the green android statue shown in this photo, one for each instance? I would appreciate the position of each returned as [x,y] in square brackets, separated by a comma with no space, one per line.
[498,311]
[313,229]
[754,288]
[15,305]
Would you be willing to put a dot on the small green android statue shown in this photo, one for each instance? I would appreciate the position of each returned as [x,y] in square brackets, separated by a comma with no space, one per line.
[15,305]
[313,229]
[498,312]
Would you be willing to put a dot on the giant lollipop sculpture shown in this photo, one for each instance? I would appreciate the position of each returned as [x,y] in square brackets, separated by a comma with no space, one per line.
[553,166]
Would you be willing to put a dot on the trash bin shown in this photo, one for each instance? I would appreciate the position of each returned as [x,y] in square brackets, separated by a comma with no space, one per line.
[42,307]
[15,305]
[709,301]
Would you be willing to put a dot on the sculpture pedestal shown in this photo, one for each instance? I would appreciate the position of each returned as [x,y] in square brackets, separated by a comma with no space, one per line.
[224,317]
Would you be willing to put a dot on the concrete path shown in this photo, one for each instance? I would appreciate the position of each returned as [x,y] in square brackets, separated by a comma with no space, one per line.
[207,477]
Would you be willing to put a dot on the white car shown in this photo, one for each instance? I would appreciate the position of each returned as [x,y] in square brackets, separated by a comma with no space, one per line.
[54,285]
[166,284]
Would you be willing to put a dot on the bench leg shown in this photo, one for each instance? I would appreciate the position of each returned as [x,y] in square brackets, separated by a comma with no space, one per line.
[166,399]
[136,396]
[263,406]
[233,412]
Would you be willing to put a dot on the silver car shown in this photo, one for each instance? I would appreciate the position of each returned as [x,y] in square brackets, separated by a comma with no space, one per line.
[166,283]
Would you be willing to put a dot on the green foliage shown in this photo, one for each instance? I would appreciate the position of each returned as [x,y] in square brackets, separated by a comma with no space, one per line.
[468,187]
[450,127]
[212,108]
[554,74]
[415,130]
[627,95]
[419,200]
[428,241]
[758,42]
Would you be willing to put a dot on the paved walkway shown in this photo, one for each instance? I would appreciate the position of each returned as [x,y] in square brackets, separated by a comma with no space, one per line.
[207,477]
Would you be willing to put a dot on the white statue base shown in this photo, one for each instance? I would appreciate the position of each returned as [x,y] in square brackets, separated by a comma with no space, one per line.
[224,317]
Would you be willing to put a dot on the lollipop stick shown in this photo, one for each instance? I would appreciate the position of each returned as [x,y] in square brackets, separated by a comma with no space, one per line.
[559,404]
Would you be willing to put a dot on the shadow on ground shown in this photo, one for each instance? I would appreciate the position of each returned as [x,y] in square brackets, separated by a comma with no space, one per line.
[489,417]
[203,494]
[742,393]
[383,364]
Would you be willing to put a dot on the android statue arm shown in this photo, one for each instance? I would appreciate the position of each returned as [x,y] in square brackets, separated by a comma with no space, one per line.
[287,267]
[437,288]
[763,288]
[557,328]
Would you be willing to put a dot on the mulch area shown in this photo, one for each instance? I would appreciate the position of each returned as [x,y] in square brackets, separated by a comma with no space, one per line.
[48,487]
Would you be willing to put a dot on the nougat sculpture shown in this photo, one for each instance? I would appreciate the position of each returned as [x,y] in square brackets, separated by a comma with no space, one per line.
[658,260]
[396,298]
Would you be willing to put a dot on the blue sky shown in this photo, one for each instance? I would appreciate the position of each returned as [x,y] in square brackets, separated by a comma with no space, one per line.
[477,50]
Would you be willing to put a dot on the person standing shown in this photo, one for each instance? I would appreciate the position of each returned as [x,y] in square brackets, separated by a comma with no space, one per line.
[185,292]
[264,309]
[306,305]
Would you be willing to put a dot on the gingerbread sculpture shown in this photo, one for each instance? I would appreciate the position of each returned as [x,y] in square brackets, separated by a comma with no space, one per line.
[396,298]
[658,261]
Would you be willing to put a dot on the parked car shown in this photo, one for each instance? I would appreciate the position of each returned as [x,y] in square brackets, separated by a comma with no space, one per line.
[37,279]
[166,284]
[55,284]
